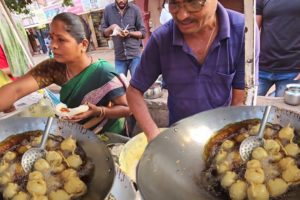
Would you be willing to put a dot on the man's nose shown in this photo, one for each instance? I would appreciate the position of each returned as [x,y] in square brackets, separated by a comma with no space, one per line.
[182,14]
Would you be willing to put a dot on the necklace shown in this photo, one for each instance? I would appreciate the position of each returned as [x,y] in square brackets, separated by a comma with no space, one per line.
[207,45]
[70,75]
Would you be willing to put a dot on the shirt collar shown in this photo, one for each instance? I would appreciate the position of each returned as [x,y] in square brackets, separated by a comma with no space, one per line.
[116,7]
[224,27]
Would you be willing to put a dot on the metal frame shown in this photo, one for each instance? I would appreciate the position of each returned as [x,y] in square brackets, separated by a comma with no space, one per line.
[250,38]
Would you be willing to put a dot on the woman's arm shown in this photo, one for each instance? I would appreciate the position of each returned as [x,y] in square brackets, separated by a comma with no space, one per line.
[13,91]
[118,109]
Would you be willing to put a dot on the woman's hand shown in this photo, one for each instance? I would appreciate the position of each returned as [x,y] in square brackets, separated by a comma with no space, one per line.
[94,111]
[10,109]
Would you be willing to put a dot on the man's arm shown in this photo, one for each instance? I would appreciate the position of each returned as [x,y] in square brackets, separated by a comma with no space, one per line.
[133,34]
[109,30]
[140,32]
[140,111]
[238,97]
[106,27]
[259,21]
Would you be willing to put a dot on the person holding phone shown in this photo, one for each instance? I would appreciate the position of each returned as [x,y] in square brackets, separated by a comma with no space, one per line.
[123,21]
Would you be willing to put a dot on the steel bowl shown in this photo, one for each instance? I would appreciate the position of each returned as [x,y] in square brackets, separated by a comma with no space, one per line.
[292,94]
[172,163]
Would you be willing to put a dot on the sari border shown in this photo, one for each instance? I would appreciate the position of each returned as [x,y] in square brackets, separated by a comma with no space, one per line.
[96,95]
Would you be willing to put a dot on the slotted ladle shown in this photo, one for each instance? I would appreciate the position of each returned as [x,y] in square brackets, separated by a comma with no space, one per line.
[252,142]
[33,154]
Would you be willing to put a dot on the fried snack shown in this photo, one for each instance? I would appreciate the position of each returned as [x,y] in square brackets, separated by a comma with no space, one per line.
[75,186]
[3,166]
[271,146]
[292,149]
[238,190]
[36,187]
[9,156]
[10,190]
[287,133]
[259,153]
[35,175]
[68,174]
[277,187]
[5,178]
[74,161]
[68,144]
[227,145]
[54,158]
[228,179]
[21,196]
[258,192]
[59,194]
[41,165]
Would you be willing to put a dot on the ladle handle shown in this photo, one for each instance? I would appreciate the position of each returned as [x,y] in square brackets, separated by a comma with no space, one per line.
[46,132]
[264,122]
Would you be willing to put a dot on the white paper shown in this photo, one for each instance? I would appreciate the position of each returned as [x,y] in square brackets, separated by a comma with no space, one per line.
[116,31]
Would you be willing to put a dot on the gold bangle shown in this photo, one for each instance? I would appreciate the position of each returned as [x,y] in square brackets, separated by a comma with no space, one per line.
[100,112]
[103,111]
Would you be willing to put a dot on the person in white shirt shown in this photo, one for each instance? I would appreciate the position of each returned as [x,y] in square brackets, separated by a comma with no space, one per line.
[165,15]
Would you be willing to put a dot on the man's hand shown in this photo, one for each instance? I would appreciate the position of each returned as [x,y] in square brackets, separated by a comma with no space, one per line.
[124,33]
[113,30]
[150,137]
[297,77]
[114,26]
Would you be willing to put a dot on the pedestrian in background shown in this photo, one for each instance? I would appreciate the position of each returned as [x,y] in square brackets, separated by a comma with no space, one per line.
[123,21]
[165,15]
[279,60]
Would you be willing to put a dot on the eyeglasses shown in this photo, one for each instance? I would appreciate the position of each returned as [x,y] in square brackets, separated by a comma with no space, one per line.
[189,5]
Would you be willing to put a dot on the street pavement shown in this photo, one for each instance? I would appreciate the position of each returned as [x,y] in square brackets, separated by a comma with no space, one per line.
[103,53]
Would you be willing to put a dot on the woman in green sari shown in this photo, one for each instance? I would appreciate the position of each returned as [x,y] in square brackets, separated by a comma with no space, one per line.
[83,80]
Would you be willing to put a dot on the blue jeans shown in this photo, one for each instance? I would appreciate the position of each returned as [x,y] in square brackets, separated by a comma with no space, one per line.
[122,66]
[280,79]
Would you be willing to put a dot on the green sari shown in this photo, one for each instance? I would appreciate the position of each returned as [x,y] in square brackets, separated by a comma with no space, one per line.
[98,84]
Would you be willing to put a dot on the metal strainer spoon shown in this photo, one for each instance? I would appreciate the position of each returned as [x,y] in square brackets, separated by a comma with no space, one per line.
[33,154]
[252,142]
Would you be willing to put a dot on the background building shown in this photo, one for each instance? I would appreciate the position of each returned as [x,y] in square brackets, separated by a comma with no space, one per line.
[42,11]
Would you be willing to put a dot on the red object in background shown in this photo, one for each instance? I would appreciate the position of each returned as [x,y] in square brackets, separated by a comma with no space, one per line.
[3,61]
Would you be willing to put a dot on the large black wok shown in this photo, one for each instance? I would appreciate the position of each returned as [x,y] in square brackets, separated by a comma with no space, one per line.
[172,163]
[104,173]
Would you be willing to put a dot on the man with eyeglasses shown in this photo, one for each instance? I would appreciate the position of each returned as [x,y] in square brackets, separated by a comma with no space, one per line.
[200,54]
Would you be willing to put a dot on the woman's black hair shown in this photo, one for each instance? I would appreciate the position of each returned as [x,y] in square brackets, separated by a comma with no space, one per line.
[75,25]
